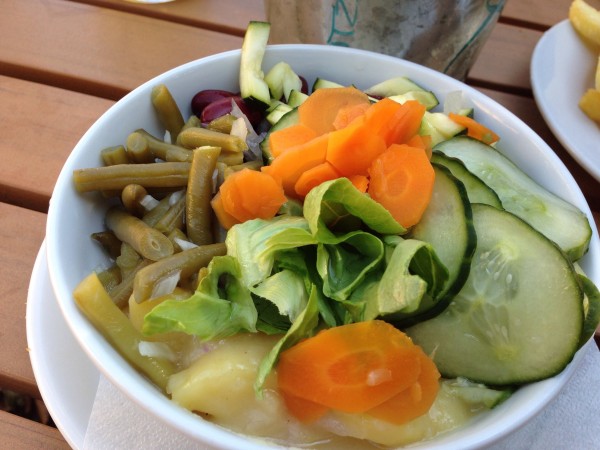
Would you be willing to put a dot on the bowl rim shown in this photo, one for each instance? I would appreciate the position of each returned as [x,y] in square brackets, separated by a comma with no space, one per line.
[136,387]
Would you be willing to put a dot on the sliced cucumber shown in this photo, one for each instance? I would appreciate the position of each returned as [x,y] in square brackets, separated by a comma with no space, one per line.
[393,86]
[296,98]
[426,98]
[519,316]
[447,225]
[289,118]
[278,112]
[321,83]
[591,308]
[253,87]
[560,221]
[476,393]
[281,80]
[477,190]
[439,126]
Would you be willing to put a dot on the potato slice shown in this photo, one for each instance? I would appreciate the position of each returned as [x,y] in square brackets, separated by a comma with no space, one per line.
[586,21]
[590,104]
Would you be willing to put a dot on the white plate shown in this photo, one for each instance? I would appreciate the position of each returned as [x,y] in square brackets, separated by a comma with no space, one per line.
[562,69]
[66,377]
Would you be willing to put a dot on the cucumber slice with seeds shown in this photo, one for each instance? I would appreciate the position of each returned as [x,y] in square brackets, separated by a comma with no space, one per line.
[560,221]
[477,190]
[520,315]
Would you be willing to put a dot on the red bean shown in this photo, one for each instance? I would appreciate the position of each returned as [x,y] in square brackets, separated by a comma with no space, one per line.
[222,106]
[204,98]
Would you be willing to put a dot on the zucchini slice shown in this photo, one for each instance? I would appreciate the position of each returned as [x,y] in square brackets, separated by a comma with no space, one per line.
[518,318]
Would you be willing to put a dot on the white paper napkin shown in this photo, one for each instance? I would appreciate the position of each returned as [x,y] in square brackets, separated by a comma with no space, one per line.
[571,421]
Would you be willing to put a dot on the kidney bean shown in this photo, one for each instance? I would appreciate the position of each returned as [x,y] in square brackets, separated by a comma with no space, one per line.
[204,98]
[222,106]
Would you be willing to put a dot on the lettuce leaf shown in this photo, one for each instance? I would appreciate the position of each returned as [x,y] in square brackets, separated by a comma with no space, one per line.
[303,327]
[336,206]
[221,306]
[256,243]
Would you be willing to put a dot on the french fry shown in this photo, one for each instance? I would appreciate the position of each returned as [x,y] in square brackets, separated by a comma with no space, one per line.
[586,21]
[590,104]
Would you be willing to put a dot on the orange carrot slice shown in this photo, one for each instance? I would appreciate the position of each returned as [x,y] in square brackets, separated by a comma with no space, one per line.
[320,109]
[401,179]
[351,368]
[347,114]
[395,122]
[285,138]
[315,176]
[413,401]
[360,182]
[304,410]
[475,129]
[249,194]
[352,150]
[291,164]
[225,219]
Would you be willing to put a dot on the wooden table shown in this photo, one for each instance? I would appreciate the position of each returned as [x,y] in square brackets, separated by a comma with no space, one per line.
[63,63]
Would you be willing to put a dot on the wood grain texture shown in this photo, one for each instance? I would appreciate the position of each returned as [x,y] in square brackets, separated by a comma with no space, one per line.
[23,434]
[21,235]
[39,125]
[97,50]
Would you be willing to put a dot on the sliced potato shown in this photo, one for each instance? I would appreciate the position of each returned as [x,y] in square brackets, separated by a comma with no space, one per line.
[590,104]
[586,21]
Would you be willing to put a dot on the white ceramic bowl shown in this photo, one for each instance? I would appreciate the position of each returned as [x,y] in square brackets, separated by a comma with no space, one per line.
[73,217]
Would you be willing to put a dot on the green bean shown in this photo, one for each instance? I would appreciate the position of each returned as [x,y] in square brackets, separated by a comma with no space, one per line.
[193,121]
[96,304]
[222,123]
[111,277]
[128,259]
[159,175]
[176,236]
[152,217]
[138,149]
[231,158]
[199,194]
[174,217]
[121,292]
[132,197]
[252,165]
[167,110]
[187,263]
[147,241]
[163,150]
[195,137]
[114,155]
[108,241]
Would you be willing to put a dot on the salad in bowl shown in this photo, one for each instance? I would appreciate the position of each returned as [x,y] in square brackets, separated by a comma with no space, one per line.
[304,246]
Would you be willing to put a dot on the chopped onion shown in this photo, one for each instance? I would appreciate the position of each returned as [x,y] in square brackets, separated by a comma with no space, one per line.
[454,102]
[166,286]
[239,129]
[149,202]
[185,245]
[157,350]
[253,139]
[175,197]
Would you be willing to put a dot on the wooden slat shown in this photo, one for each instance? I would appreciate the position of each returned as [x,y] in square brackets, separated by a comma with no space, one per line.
[225,16]
[505,58]
[96,50]
[39,126]
[538,13]
[23,434]
[21,234]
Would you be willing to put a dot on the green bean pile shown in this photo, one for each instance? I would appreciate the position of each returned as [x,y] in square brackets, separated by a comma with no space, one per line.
[163,224]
